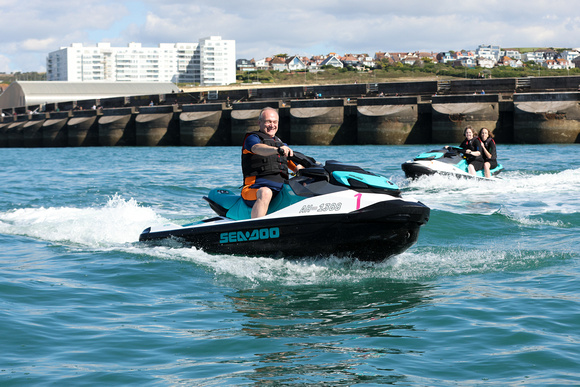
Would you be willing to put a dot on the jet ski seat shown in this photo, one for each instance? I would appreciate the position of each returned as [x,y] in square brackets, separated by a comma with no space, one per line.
[231,205]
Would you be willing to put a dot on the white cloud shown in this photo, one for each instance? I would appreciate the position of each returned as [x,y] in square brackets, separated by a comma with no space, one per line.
[38,44]
[4,64]
[262,28]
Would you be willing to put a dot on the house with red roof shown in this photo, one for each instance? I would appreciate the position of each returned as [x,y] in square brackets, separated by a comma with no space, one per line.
[278,63]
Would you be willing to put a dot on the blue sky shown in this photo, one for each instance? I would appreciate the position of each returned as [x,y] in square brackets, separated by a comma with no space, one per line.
[30,30]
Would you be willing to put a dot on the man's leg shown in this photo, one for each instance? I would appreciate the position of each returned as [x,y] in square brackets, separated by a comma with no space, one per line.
[263,198]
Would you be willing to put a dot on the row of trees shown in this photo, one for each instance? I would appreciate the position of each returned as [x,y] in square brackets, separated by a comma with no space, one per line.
[18,76]
[383,73]
[390,72]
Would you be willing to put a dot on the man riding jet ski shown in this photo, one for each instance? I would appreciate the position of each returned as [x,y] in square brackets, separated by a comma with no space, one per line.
[335,209]
[449,160]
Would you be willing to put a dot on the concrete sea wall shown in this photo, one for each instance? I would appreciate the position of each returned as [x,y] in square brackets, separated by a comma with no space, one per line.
[32,131]
[54,130]
[117,127]
[83,129]
[451,114]
[391,121]
[319,122]
[157,126]
[15,134]
[547,118]
[381,114]
[202,125]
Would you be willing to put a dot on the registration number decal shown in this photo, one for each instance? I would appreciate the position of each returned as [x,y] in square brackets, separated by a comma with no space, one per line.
[323,207]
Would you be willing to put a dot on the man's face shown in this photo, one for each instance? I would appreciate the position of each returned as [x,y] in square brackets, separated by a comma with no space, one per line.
[269,122]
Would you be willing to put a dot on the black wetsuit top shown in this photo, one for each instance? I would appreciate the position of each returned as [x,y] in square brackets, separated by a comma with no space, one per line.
[491,148]
[468,144]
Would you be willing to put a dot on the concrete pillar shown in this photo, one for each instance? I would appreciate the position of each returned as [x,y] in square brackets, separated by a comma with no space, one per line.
[390,121]
[199,125]
[3,136]
[547,118]
[15,134]
[83,128]
[245,119]
[451,114]
[157,126]
[54,129]
[32,131]
[117,127]
[320,122]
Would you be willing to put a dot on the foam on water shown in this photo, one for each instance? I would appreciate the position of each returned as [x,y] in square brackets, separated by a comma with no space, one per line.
[520,193]
[117,225]
[423,264]
[118,222]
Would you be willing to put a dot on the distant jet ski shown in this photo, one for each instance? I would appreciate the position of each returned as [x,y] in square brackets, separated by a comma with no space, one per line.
[444,161]
[335,209]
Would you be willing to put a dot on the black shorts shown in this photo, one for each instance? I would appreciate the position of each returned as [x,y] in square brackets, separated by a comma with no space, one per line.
[492,164]
[477,164]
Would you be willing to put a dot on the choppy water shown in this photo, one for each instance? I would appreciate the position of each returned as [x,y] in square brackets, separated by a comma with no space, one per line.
[489,295]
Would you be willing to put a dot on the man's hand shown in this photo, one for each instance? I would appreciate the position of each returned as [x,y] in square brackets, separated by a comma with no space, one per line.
[285,151]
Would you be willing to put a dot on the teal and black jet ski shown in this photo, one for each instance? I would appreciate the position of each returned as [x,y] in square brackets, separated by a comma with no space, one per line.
[445,161]
[333,209]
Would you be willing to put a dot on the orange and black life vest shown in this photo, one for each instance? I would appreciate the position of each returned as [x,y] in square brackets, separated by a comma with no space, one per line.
[264,166]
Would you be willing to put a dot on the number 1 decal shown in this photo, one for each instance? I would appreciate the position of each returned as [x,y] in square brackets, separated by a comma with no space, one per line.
[358,196]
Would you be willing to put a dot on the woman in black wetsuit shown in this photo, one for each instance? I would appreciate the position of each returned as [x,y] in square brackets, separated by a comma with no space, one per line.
[485,147]
[467,145]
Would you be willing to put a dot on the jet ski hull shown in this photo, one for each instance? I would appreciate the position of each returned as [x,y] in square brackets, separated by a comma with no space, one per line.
[373,233]
[415,170]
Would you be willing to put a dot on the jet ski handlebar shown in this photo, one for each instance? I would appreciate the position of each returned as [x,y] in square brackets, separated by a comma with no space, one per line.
[455,149]
[302,159]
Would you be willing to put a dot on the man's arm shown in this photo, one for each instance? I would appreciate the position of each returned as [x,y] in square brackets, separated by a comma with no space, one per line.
[267,150]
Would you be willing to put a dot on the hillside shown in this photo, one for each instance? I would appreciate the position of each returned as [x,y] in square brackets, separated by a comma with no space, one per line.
[394,73]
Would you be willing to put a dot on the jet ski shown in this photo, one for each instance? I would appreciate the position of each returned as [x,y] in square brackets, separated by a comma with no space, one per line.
[333,209]
[445,161]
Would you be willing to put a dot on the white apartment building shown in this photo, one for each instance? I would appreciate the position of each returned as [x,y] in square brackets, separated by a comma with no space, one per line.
[488,52]
[210,62]
[217,61]
[570,55]
[514,54]
[534,56]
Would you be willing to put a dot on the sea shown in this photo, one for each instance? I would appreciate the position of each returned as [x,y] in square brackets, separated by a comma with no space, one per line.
[489,294]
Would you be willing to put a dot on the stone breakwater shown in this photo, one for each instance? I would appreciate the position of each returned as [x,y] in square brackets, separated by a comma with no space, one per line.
[380,114]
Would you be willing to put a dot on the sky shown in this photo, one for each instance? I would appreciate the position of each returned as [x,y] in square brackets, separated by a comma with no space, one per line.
[31,30]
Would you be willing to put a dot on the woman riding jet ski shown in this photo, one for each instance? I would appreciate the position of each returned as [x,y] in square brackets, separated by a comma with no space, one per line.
[444,161]
[474,158]
[335,209]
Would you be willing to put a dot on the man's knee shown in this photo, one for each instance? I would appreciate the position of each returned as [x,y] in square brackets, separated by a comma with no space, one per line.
[264,195]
